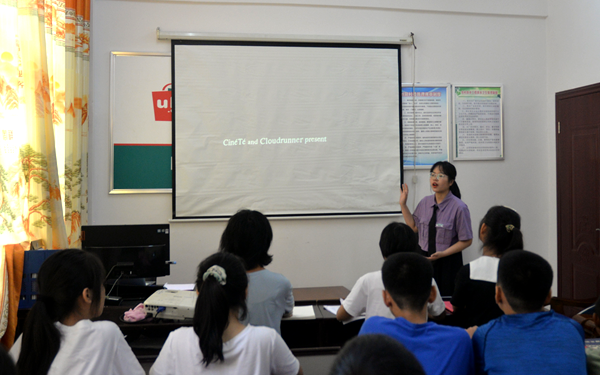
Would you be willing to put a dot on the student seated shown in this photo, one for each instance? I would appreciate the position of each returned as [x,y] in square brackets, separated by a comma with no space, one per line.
[365,296]
[440,349]
[527,339]
[248,235]
[475,289]
[593,352]
[59,337]
[377,355]
[218,342]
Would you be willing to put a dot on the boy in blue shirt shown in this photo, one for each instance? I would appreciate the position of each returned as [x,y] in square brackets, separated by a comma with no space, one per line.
[440,349]
[528,340]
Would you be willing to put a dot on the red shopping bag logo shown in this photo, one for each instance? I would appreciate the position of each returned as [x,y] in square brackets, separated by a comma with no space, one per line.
[162,104]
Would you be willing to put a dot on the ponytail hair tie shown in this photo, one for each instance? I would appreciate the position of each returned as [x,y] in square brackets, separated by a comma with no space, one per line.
[509,228]
[217,272]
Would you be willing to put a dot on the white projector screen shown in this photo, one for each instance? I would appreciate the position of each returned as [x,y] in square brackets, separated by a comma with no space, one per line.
[288,129]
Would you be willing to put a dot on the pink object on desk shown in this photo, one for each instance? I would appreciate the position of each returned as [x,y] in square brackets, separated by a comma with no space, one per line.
[136,314]
[449,306]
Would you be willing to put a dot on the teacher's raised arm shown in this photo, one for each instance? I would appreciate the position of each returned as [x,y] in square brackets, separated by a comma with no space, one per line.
[408,217]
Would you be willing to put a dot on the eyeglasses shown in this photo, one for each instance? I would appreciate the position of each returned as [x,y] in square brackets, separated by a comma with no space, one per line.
[438,176]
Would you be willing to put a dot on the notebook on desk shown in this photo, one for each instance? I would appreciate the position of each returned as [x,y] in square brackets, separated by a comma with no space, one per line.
[302,312]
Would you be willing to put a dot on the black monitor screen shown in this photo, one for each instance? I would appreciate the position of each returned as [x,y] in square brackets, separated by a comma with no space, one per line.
[130,251]
[133,261]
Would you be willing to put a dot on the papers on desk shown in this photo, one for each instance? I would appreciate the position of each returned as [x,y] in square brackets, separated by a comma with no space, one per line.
[334,309]
[302,312]
[179,286]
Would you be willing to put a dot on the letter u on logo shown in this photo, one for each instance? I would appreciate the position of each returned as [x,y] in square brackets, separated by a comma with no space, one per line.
[162,105]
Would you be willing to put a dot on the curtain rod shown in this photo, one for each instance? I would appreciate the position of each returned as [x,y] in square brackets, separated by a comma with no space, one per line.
[168,35]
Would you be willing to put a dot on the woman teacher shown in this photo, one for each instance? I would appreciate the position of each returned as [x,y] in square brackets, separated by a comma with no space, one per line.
[443,223]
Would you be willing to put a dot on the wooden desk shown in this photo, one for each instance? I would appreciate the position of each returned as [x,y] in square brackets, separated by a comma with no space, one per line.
[327,295]
[318,336]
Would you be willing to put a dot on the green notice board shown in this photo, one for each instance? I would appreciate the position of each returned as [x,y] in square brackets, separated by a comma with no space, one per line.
[142,167]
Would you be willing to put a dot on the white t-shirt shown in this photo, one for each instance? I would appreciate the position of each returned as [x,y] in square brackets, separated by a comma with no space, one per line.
[366,297]
[90,348]
[254,351]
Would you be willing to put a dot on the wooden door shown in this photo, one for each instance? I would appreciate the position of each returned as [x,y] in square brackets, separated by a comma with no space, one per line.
[578,191]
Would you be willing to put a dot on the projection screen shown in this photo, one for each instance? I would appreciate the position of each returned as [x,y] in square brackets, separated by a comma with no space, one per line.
[289,129]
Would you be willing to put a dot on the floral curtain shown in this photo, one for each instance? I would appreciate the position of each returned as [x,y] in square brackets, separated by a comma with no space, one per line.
[44,79]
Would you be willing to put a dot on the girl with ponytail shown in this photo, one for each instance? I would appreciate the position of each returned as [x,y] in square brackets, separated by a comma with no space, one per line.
[474,297]
[443,223]
[219,342]
[59,337]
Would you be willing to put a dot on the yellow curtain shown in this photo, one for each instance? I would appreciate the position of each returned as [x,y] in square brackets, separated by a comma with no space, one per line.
[44,79]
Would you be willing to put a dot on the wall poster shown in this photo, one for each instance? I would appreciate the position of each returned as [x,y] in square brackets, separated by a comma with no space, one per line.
[477,131]
[140,122]
[427,142]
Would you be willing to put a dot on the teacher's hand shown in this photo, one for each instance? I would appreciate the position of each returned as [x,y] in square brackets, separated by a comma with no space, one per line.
[438,255]
[403,194]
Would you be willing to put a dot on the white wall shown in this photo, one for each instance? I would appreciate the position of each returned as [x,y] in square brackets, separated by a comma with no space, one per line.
[467,41]
[573,60]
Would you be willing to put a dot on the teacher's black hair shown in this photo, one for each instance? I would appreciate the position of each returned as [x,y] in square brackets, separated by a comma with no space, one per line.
[449,170]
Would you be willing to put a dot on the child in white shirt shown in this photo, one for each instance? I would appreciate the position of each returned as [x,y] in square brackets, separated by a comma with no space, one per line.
[367,294]
[218,342]
[59,337]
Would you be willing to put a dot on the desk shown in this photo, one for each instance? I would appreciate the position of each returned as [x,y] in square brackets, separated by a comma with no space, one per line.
[318,336]
[327,295]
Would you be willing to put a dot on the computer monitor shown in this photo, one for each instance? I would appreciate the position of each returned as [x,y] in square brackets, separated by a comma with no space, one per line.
[130,251]
[145,261]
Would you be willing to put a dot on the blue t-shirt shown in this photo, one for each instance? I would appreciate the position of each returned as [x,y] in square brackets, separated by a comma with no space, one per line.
[439,349]
[533,343]
[269,297]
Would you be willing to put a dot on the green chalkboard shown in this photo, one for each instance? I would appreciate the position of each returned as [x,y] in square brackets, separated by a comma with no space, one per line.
[142,167]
